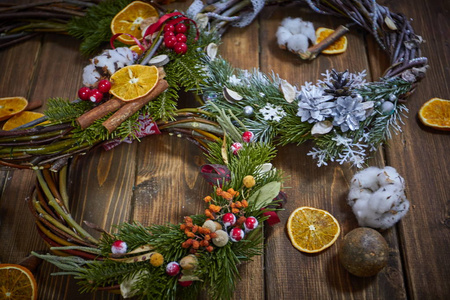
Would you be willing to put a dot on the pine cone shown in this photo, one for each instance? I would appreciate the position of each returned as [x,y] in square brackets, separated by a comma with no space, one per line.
[340,84]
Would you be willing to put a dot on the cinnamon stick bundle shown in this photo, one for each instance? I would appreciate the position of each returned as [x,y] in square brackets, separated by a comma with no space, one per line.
[130,108]
[89,117]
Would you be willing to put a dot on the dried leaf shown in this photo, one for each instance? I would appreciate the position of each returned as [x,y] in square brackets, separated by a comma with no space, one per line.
[390,23]
[288,90]
[225,150]
[262,197]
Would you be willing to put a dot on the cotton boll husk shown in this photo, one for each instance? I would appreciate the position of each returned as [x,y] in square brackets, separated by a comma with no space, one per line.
[366,178]
[298,43]
[283,35]
[90,75]
[294,25]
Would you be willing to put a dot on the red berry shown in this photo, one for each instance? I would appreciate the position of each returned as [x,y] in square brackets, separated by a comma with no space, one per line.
[168,33]
[248,136]
[236,234]
[180,48]
[228,219]
[119,247]
[180,28]
[181,38]
[83,93]
[173,268]
[170,41]
[250,224]
[95,96]
[235,148]
[169,27]
[104,86]
[185,283]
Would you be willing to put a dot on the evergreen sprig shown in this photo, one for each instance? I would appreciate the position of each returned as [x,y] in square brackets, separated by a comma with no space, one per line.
[62,110]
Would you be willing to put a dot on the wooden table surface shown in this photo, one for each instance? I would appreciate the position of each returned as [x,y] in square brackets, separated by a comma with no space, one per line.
[157,180]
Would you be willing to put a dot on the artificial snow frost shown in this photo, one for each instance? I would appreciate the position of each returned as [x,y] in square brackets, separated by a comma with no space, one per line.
[294,34]
[107,63]
[272,112]
[377,197]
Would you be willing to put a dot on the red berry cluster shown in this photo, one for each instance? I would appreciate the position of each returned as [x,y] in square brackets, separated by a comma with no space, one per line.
[175,37]
[95,95]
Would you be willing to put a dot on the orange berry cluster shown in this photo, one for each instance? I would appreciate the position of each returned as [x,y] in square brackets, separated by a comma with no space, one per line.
[198,236]
[228,195]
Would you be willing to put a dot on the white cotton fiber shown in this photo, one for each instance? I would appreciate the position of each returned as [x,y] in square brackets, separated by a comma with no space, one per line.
[308,31]
[297,43]
[283,36]
[294,25]
[366,179]
[90,75]
[377,197]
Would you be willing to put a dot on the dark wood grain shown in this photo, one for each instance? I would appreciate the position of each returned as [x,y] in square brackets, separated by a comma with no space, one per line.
[157,180]
[319,275]
[420,154]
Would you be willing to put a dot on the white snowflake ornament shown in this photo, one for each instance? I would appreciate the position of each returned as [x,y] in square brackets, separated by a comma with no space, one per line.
[272,112]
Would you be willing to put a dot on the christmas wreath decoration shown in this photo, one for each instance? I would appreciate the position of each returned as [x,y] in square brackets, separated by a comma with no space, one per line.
[242,115]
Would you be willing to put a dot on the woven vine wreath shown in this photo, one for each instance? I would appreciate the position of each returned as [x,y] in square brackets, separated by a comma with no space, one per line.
[242,115]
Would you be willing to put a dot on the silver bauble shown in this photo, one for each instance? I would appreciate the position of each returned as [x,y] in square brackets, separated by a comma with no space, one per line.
[248,111]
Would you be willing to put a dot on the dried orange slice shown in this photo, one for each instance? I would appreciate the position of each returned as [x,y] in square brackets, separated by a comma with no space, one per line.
[133,82]
[17,282]
[136,49]
[129,19]
[312,230]
[337,47]
[436,113]
[22,118]
[10,106]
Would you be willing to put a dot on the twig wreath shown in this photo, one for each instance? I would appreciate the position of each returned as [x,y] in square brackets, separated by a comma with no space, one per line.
[242,115]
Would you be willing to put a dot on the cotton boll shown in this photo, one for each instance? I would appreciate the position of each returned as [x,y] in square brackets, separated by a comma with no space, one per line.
[294,25]
[381,205]
[298,43]
[283,35]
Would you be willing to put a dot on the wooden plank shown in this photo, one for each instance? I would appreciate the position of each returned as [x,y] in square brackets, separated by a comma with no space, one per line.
[97,194]
[291,274]
[420,155]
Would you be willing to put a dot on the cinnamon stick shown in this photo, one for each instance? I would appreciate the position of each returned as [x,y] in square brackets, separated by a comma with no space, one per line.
[130,108]
[313,51]
[86,119]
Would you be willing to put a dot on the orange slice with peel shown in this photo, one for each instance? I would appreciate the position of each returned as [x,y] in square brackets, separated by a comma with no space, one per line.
[436,113]
[23,118]
[337,47]
[17,282]
[134,82]
[129,19]
[136,49]
[312,230]
[10,106]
